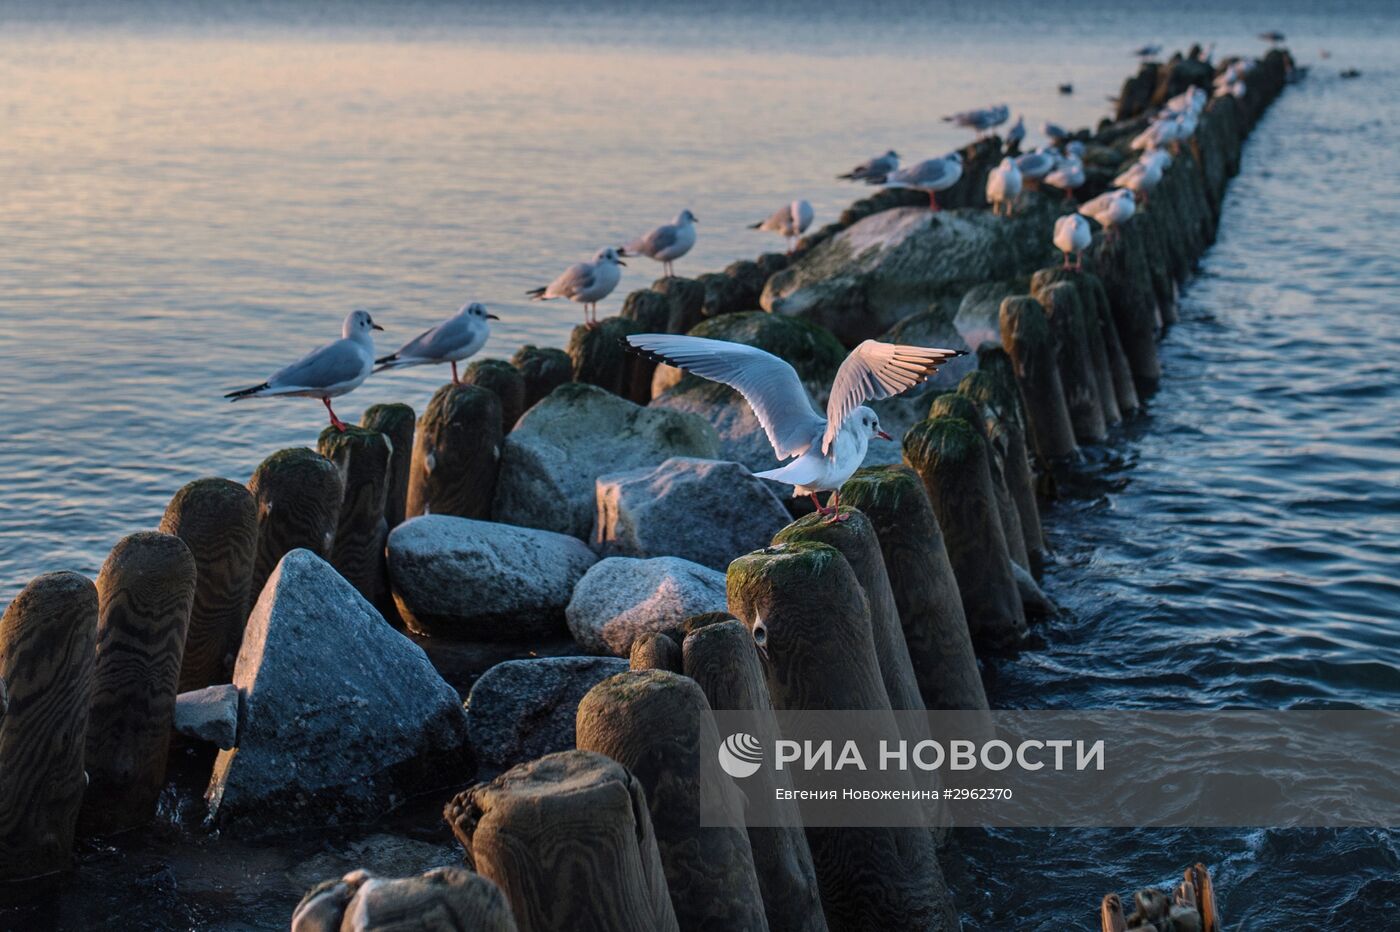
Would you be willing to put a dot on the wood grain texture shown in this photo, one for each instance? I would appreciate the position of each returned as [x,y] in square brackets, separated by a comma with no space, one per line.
[1026,335]
[925,588]
[145,593]
[362,457]
[568,839]
[601,358]
[955,404]
[952,462]
[47,638]
[1081,386]
[544,369]
[1093,335]
[655,651]
[656,724]
[804,604]
[297,493]
[1120,371]
[456,454]
[720,656]
[218,521]
[444,899]
[396,422]
[1127,281]
[1010,444]
[506,381]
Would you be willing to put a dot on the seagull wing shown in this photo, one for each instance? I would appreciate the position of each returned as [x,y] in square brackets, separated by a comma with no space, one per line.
[443,341]
[655,241]
[332,364]
[877,370]
[576,278]
[769,384]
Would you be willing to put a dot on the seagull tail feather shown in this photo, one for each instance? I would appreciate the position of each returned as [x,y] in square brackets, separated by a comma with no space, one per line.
[247,392]
[536,293]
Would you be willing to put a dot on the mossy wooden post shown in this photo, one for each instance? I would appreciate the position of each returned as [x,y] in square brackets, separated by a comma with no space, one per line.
[145,592]
[1093,335]
[506,381]
[655,651]
[855,538]
[544,369]
[687,299]
[720,656]
[568,839]
[1128,284]
[298,494]
[656,724]
[995,365]
[444,899]
[952,462]
[1025,332]
[925,589]
[47,639]
[1081,386]
[601,358]
[1120,371]
[803,604]
[363,458]
[1009,439]
[649,310]
[218,521]
[953,404]
[396,422]
[456,454]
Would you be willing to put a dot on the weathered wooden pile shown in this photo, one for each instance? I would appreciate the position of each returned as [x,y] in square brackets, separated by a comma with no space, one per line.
[882,612]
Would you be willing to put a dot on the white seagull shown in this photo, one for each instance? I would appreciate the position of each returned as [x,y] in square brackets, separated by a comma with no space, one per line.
[873,170]
[666,243]
[1072,235]
[980,120]
[929,176]
[1054,132]
[586,283]
[1036,165]
[457,338]
[1111,209]
[1017,132]
[825,451]
[1141,178]
[327,372]
[1067,175]
[789,222]
[1004,186]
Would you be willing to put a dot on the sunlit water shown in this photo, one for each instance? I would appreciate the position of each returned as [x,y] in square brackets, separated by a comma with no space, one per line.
[190,197]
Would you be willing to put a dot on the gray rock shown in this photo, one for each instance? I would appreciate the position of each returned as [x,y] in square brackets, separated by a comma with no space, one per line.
[523,709]
[979,313]
[482,581]
[891,264]
[705,511]
[444,899]
[561,446]
[209,715]
[621,599]
[343,717]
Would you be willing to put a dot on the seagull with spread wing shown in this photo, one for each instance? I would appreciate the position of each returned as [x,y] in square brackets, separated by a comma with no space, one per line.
[825,451]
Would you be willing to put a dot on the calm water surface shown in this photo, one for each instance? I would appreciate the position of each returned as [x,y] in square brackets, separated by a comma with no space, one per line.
[191,197]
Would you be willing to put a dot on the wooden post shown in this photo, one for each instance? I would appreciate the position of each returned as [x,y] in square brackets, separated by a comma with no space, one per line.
[803,604]
[297,493]
[47,639]
[218,522]
[362,457]
[1128,283]
[544,369]
[953,404]
[952,462]
[396,422]
[568,840]
[506,381]
[1009,439]
[721,657]
[1120,372]
[655,723]
[1093,335]
[655,651]
[456,454]
[1080,384]
[145,592]
[994,364]
[1025,332]
[601,358]
[687,298]
[440,900]
[925,589]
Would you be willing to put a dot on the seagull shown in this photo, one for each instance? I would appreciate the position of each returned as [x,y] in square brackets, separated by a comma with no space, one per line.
[1159,157]
[1142,177]
[1066,89]
[1111,209]
[873,170]
[929,176]
[1004,186]
[980,120]
[666,243]
[825,451]
[1273,36]
[327,372]
[1159,134]
[455,339]
[1036,165]
[1072,235]
[1067,175]
[1056,133]
[586,283]
[1146,51]
[1017,132]
[789,222]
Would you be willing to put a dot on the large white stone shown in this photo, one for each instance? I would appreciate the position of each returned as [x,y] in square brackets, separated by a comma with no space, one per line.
[483,581]
[622,598]
[343,717]
[560,447]
[705,511]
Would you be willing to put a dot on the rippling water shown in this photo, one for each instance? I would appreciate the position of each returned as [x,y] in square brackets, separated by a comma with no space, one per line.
[192,195]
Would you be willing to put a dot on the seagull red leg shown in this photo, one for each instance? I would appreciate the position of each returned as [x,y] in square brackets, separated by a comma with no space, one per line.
[455,380]
[336,422]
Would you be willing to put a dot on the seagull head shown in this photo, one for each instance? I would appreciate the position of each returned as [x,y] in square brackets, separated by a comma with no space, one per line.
[686,217]
[868,420]
[955,157]
[891,154]
[358,324]
[478,310]
[609,255]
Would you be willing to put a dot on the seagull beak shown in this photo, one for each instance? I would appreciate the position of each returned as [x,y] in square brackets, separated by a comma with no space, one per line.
[620,262]
[492,317]
[374,326]
[882,435]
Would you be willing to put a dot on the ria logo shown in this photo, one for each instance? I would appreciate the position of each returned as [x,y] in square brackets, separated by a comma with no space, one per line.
[740,755]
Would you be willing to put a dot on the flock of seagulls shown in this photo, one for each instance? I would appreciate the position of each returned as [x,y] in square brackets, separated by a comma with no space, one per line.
[824,450]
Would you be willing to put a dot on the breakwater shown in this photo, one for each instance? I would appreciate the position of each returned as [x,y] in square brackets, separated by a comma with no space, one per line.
[587,400]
